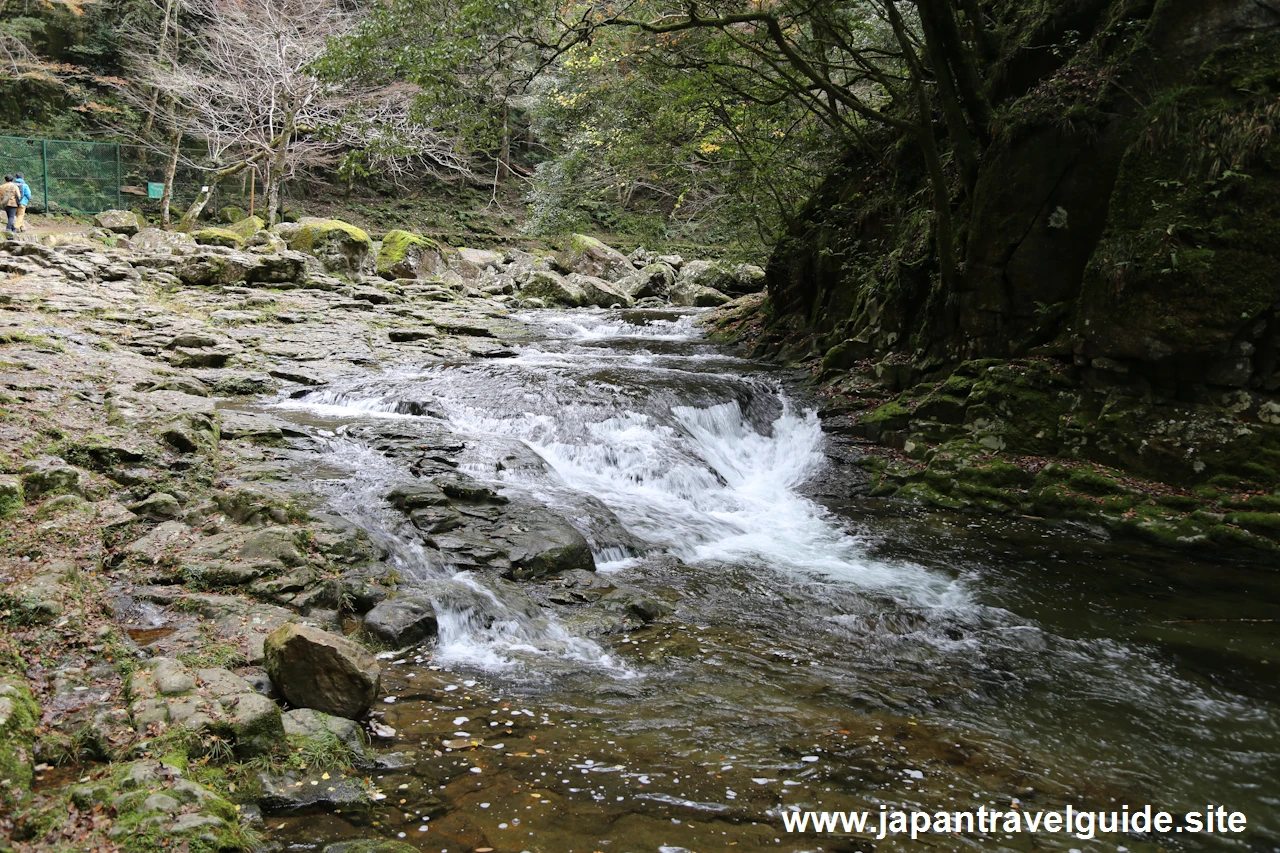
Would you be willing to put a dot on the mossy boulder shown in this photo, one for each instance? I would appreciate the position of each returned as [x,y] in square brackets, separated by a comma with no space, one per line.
[320,670]
[341,247]
[10,495]
[218,237]
[19,716]
[247,227]
[407,255]
[231,214]
[552,289]
[588,256]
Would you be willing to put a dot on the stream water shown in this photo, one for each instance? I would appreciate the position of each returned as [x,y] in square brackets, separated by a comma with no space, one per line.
[827,656]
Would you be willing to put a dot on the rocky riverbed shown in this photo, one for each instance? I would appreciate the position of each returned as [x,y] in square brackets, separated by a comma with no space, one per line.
[157,530]
[318,542]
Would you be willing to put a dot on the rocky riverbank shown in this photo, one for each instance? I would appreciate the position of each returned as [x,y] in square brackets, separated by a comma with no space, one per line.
[166,566]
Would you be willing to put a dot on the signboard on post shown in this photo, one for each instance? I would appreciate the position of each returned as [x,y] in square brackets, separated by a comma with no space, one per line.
[155,190]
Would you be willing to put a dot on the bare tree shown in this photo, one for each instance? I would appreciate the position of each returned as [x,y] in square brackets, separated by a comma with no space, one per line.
[244,86]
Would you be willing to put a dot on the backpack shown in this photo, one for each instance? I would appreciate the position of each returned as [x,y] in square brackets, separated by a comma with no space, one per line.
[25,198]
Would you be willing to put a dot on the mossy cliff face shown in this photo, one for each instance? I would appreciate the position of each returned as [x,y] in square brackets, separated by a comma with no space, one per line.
[1122,136]
[1118,301]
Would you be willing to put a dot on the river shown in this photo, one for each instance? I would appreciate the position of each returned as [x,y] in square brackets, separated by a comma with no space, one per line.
[816,653]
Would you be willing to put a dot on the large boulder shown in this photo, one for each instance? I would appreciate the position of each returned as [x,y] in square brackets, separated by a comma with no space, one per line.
[539,543]
[597,291]
[402,621]
[124,222]
[588,256]
[653,281]
[155,241]
[691,295]
[472,263]
[218,237]
[406,255]
[552,289]
[247,227]
[316,669]
[341,247]
[711,274]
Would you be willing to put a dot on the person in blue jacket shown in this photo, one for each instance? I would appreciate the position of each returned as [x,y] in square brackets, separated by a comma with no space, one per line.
[23,200]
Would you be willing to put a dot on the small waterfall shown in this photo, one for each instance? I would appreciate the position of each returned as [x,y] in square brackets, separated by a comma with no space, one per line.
[701,466]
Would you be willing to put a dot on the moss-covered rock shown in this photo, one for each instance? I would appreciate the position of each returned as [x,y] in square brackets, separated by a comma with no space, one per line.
[218,237]
[406,255]
[156,806]
[341,247]
[19,716]
[10,495]
[588,256]
[247,227]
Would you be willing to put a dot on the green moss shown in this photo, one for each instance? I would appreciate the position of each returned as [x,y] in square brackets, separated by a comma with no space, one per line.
[1089,481]
[218,237]
[307,237]
[892,415]
[1262,523]
[396,246]
[246,227]
[19,717]
[10,495]
[923,493]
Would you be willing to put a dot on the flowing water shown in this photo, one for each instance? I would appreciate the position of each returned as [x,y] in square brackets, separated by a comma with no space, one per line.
[816,655]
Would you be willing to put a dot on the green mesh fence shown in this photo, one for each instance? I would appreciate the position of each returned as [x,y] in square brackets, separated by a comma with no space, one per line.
[89,177]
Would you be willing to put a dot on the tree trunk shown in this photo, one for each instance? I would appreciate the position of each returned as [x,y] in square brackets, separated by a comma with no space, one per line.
[166,200]
[275,169]
[966,150]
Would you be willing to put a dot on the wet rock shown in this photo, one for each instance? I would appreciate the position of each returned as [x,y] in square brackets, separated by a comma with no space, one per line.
[262,430]
[295,792]
[272,545]
[402,621]
[633,604]
[416,496]
[316,669]
[690,295]
[370,845]
[424,333]
[541,543]
[120,222]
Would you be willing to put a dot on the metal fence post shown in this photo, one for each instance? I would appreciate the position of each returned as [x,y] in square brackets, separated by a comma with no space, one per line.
[119,176]
[44,172]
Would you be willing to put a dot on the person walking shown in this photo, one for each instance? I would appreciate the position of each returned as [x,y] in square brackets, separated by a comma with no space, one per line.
[23,200]
[10,195]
